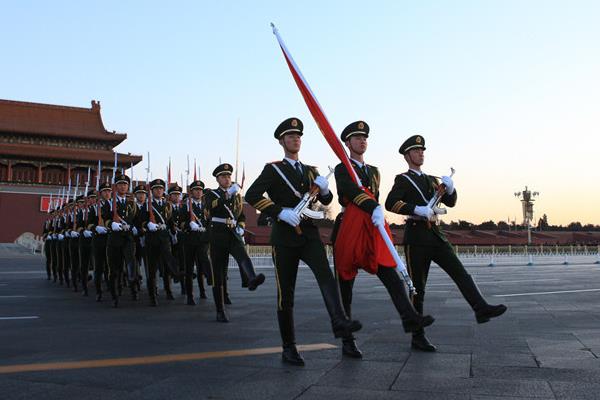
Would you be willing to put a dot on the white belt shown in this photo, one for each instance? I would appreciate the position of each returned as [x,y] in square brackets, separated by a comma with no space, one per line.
[227,221]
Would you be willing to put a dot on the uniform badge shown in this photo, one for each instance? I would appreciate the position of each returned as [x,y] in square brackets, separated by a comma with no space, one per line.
[294,123]
[418,139]
[226,167]
[361,125]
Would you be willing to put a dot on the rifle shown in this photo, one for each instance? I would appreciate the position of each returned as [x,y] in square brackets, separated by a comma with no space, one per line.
[302,209]
[435,200]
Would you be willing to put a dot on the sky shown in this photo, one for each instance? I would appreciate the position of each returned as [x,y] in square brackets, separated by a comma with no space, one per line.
[505,92]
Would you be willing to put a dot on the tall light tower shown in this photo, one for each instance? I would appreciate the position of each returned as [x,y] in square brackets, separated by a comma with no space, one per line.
[527,199]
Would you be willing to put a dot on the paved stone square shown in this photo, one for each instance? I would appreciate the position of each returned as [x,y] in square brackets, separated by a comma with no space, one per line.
[545,347]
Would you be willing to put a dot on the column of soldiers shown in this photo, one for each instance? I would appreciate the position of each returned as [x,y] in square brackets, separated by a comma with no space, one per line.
[107,235]
[113,234]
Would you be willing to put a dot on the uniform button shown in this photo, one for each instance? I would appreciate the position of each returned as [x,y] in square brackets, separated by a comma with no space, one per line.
[414,224]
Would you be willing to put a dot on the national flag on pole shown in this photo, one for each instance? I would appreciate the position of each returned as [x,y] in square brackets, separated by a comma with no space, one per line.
[353,249]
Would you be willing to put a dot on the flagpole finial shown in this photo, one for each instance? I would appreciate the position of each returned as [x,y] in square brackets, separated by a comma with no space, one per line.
[274,28]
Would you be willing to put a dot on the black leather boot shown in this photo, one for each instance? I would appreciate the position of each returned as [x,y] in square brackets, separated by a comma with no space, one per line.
[349,347]
[340,323]
[420,342]
[483,311]
[290,353]
[253,280]
[218,296]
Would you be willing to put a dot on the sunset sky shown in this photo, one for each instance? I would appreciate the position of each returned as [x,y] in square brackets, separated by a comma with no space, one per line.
[506,92]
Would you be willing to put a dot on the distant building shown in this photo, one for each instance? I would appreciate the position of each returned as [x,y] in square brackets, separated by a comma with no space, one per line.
[41,145]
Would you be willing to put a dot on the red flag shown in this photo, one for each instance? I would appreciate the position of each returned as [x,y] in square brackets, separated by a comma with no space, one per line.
[195,178]
[378,247]
[243,174]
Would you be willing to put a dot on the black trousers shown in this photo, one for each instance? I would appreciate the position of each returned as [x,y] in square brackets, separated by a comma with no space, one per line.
[66,260]
[85,259]
[179,254]
[220,249]
[48,255]
[418,261]
[287,259]
[160,258]
[120,254]
[99,252]
[74,257]
[56,260]
[196,254]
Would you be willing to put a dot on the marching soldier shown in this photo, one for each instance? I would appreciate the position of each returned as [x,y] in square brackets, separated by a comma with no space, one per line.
[227,222]
[355,138]
[195,224]
[294,239]
[85,240]
[158,241]
[47,236]
[120,245]
[59,245]
[177,235]
[66,243]
[140,194]
[424,241]
[97,214]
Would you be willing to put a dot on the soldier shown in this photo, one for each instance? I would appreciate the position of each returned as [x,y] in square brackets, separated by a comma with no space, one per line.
[96,216]
[424,241]
[66,243]
[47,236]
[355,138]
[195,224]
[227,222]
[140,194]
[158,242]
[120,246]
[85,239]
[294,239]
[177,235]
[58,246]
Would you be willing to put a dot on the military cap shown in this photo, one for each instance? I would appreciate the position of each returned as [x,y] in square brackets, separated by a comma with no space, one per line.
[92,193]
[290,125]
[223,169]
[175,189]
[140,189]
[413,142]
[355,129]
[80,198]
[104,186]
[122,178]
[197,185]
[157,183]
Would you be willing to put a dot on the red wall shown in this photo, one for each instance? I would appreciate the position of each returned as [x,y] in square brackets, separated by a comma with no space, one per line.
[20,213]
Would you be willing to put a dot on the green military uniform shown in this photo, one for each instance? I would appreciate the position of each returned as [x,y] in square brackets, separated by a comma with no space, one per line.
[85,239]
[97,213]
[291,245]
[196,243]
[178,235]
[48,243]
[120,246]
[158,244]
[227,222]
[425,242]
[139,234]
[350,192]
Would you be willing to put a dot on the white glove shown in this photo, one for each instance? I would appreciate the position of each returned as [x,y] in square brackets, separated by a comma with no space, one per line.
[377,216]
[323,185]
[449,183]
[288,216]
[61,236]
[152,226]
[101,230]
[74,234]
[424,211]
[239,230]
[233,189]
[194,226]
[134,231]
[87,234]
[116,227]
